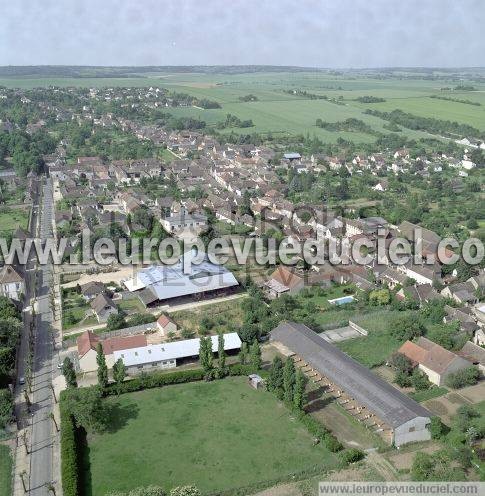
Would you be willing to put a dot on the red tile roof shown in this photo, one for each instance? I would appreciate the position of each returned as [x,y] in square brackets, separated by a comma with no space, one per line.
[111,345]
[164,320]
[85,342]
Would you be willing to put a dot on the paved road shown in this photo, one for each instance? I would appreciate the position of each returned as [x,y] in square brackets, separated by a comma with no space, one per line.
[42,437]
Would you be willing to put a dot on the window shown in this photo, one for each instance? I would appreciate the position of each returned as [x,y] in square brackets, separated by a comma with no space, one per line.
[412,429]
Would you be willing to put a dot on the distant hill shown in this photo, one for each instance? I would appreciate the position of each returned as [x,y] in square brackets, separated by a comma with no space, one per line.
[67,71]
[132,71]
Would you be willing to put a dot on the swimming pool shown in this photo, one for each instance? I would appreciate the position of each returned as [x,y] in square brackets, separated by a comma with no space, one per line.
[342,301]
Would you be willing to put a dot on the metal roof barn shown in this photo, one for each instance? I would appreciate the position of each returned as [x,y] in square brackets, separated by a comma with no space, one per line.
[175,350]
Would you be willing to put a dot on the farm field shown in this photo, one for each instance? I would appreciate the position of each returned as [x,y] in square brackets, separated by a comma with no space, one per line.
[5,471]
[283,114]
[199,433]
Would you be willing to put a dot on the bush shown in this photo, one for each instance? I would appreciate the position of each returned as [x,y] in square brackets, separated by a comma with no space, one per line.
[6,407]
[462,378]
[437,428]
[319,431]
[69,453]
[351,455]
[420,380]
[402,379]
[407,327]
[159,379]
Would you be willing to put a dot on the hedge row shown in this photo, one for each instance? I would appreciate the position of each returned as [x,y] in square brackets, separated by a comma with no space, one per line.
[158,379]
[315,428]
[69,454]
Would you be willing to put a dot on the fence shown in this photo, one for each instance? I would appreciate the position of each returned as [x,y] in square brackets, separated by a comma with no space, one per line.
[359,329]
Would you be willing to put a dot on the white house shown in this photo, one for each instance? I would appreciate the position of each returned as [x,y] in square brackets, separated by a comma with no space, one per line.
[179,222]
[12,284]
[434,360]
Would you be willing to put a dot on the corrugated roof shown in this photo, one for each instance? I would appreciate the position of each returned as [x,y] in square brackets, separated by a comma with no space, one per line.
[170,281]
[171,351]
[388,403]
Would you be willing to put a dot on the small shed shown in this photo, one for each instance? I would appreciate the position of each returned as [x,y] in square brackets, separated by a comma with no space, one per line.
[165,324]
[255,381]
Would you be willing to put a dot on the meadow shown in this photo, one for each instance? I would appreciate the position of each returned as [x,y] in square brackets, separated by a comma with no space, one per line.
[219,436]
[283,114]
[11,218]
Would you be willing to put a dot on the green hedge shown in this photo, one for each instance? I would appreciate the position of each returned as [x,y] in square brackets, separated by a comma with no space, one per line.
[158,379]
[315,428]
[69,454]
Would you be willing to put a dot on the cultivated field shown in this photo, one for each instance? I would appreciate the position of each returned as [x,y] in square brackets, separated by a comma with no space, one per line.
[220,436]
[281,113]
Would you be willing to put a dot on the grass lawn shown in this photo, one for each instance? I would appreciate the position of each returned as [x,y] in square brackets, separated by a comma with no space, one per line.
[131,306]
[74,309]
[5,471]
[428,394]
[375,348]
[320,296]
[220,436]
[217,316]
[12,218]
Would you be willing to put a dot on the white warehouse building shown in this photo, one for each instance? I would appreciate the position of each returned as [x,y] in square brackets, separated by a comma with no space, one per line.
[169,355]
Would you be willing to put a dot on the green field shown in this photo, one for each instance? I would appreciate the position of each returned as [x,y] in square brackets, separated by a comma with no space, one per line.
[375,348]
[284,114]
[5,471]
[221,435]
[12,218]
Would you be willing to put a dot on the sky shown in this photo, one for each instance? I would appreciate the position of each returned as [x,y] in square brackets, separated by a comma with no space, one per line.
[313,33]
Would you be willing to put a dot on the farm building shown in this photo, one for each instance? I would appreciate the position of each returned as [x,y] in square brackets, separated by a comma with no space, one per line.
[165,325]
[432,359]
[169,355]
[159,283]
[474,354]
[371,400]
[87,343]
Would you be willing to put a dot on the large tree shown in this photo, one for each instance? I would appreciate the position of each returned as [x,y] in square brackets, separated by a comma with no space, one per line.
[289,380]
[119,372]
[255,356]
[221,354]
[299,391]
[102,367]
[87,407]
[275,380]
[69,373]
[205,353]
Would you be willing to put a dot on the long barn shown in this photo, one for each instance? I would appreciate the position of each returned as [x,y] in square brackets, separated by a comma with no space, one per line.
[373,401]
